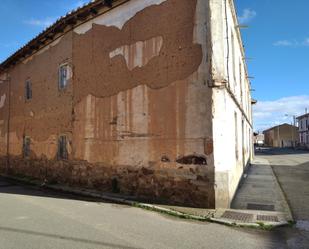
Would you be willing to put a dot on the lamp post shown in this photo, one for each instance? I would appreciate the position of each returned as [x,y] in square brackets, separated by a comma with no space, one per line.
[8,81]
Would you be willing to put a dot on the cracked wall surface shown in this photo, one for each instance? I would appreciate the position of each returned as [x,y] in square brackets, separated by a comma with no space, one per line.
[137,108]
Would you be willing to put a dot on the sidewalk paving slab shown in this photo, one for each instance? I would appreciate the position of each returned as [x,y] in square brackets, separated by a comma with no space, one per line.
[260,190]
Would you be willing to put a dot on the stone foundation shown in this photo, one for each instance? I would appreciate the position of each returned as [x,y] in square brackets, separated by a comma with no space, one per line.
[164,182]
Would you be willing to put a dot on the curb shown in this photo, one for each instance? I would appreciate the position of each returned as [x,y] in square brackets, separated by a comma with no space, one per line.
[150,207]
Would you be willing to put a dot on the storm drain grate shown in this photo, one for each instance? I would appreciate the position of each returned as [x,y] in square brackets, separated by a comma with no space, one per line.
[264,207]
[237,216]
[270,218]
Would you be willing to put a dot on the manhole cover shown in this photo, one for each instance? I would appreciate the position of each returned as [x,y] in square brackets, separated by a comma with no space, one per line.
[264,207]
[237,216]
[270,218]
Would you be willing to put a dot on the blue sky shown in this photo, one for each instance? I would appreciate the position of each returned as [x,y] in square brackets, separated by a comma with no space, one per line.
[277,40]
[22,20]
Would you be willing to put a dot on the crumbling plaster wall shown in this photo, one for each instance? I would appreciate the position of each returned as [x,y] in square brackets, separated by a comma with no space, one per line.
[150,105]
[42,118]
[3,114]
[137,109]
[231,98]
[49,112]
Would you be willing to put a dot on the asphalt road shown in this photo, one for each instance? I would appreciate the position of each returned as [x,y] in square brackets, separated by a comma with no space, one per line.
[31,218]
[292,171]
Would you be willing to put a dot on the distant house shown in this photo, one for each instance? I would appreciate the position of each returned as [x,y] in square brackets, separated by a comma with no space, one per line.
[284,135]
[303,130]
[258,139]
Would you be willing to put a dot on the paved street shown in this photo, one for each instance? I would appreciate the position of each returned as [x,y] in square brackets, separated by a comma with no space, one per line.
[292,171]
[32,218]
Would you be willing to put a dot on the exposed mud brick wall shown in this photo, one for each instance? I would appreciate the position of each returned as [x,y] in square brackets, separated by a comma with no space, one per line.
[49,112]
[169,42]
[3,115]
[137,111]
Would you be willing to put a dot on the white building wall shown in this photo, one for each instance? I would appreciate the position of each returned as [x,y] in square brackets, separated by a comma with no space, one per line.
[303,130]
[231,102]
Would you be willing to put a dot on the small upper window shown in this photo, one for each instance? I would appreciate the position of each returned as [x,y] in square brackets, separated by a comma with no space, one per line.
[63,76]
[28,90]
[62,147]
[26,146]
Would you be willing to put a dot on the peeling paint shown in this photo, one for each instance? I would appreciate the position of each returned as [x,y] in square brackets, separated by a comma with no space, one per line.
[139,53]
[118,16]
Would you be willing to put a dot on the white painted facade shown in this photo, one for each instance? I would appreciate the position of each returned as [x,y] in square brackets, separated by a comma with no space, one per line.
[232,115]
[303,130]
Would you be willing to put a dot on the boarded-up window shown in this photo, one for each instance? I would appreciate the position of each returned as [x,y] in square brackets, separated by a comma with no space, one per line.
[62,147]
[63,76]
[26,146]
[28,90]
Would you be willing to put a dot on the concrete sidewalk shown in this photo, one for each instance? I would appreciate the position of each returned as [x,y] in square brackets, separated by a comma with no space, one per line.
[260,190]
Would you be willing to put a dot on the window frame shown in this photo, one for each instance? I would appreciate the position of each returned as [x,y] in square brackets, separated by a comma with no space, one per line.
[62,150]
[63,85]
[28,90]
[26,146]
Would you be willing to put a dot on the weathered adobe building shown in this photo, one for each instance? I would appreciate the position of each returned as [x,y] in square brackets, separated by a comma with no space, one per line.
[149,98]
[284,135]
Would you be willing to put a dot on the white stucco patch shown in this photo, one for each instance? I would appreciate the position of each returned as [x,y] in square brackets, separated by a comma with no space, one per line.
[119,16]
[139,53]
[2,100]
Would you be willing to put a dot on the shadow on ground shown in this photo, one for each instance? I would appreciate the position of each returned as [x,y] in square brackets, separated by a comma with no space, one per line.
[8,186]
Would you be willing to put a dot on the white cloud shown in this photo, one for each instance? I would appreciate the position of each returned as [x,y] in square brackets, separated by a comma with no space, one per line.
[41,22]
[48,21]
[247,16]
[292,43]
[306,42]
[284,43]
[78,4]
[270,113]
